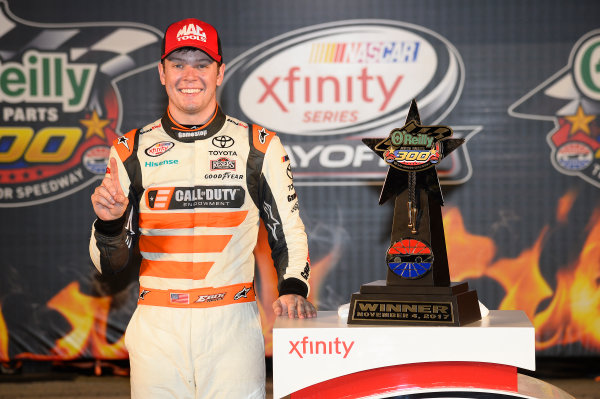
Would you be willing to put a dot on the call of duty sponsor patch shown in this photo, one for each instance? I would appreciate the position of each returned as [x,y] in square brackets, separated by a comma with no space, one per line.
[195,197]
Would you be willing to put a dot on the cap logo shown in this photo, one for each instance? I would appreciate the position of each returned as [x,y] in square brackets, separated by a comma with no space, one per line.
[191,32]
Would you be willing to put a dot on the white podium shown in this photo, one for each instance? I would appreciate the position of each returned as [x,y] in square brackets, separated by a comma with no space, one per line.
[324,357]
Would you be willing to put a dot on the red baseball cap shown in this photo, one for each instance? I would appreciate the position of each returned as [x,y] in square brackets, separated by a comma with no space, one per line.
[194,33]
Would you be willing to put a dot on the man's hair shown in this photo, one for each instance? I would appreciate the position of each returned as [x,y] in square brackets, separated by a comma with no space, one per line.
[187,50]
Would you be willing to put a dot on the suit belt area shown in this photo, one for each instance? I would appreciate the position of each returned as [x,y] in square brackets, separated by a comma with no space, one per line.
[198,297]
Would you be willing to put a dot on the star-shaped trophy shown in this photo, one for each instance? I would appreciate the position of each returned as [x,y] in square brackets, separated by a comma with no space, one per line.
[418,290]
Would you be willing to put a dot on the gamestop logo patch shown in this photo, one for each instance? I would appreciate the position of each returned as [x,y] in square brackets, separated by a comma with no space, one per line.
[325,86]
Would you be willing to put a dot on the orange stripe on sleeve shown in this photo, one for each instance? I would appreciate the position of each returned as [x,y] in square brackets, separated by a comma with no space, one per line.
[184,244]
[183,220]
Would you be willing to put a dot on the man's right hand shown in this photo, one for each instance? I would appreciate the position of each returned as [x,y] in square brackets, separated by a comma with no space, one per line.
[108,200]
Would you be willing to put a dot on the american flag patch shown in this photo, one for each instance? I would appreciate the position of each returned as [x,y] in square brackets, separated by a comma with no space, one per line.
[285,158]
[180,298]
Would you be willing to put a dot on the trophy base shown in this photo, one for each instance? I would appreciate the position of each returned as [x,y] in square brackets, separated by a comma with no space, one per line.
[380,304]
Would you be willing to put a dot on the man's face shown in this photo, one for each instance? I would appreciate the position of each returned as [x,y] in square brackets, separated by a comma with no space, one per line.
[191,78]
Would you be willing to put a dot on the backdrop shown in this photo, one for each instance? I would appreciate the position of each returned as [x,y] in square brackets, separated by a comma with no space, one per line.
[519,80]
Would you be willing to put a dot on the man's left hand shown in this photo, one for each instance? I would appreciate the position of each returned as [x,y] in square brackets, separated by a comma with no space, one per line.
[294,306]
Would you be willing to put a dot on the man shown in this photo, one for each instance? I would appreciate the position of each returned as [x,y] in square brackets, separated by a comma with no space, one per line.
[199,181]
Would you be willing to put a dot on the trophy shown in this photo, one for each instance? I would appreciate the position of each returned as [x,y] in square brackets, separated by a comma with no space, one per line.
[418,290]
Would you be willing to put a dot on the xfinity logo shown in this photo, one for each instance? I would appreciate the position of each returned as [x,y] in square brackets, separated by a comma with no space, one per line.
[300,88]
[347,77]
[327,348]
[159,148]
[324,87]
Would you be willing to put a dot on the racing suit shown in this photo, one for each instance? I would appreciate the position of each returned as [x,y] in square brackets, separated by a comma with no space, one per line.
[199,193]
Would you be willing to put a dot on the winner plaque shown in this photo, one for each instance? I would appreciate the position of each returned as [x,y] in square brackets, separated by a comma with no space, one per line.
[418,290]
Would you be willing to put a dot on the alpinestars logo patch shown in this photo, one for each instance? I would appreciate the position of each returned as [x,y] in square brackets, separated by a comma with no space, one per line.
[243,293]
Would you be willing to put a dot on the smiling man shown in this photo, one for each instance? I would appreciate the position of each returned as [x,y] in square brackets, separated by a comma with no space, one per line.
[194,186]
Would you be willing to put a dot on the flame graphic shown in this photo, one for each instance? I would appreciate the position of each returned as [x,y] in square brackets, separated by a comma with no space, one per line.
[573,314]
[88,318]
[3,339]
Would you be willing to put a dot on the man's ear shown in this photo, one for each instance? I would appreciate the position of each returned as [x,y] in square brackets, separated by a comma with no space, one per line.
[220,74]
[161,72]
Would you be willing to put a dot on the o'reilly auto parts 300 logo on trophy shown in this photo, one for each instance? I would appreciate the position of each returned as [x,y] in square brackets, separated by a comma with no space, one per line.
[326,86]
[571,99]
[59,106]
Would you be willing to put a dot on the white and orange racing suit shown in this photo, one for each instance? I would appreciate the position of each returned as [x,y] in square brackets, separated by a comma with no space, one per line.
[199,194]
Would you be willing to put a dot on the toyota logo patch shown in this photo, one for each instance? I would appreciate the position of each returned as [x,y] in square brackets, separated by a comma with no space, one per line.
[222,141]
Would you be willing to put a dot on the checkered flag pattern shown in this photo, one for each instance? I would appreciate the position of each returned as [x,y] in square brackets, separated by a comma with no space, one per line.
[115,48]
